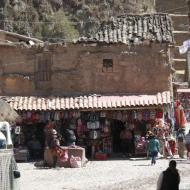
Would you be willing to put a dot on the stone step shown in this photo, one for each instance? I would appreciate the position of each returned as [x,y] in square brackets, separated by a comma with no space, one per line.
[180,22]
[178,15]
[180,76]
[180,38]
[180,64]
[181,32]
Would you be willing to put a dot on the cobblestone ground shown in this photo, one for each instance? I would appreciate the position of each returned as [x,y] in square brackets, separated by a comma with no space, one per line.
[101,175]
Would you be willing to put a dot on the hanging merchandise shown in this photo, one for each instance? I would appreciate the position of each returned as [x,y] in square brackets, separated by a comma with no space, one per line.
[52,115]
[159,113]
[71,113]
[124,116]
[66,115]
[152,114]
[107,145]
[72,124]
[134,115]
[78,114]
[105,129]
[94,134]
[56,116]
[146,115]
[41,117]
[28,115]
[93,125]
[47,116]
[119,116]
[93,117]
[114,115]
[102,114]
[24,115]
[109,115]
[61,115]
[179,115]
[139,116]
[81,128]
[33,117]
[37,116]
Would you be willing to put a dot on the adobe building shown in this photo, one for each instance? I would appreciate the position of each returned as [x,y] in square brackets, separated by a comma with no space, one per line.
[122,75]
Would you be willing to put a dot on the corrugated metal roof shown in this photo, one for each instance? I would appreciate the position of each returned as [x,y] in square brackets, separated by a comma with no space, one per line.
[135,29]
[86,102]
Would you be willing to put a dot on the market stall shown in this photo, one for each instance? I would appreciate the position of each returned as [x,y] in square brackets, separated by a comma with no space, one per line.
[96,131]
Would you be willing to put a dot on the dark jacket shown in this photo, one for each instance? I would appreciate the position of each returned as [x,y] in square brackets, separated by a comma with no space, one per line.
[69,135]
[171,180]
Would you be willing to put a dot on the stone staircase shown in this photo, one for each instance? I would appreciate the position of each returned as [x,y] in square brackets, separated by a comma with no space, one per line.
[181,33]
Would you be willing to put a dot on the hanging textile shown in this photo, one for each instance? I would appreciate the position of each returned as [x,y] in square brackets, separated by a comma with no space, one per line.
[179,115]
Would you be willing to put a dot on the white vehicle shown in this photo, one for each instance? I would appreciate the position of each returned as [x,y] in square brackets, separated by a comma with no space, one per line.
[8,168]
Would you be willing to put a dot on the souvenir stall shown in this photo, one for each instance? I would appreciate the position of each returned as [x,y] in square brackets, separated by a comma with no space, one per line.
[96,131]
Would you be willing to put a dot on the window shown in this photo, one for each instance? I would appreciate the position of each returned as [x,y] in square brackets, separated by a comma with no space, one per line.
[43,68]
[107,65]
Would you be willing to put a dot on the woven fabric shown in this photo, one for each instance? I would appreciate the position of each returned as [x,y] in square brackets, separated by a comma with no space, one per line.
[7,166]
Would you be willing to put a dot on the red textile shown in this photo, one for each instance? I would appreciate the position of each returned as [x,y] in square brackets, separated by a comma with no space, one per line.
[180,116]
[172,146]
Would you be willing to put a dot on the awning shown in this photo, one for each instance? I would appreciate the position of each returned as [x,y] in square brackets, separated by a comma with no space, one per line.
[183,90]
[87,102]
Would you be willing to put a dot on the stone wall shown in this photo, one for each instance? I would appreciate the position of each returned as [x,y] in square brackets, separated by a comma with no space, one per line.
[78,69]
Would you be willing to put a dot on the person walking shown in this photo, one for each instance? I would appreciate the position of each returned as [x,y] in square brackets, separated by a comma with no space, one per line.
[170,178]
[187,144]
[181,142]
[153,148]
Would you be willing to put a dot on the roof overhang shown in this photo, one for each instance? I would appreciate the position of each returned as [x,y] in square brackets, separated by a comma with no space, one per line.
[90,102]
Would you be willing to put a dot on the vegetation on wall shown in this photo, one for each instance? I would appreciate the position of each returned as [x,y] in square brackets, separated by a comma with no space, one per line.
[64,19]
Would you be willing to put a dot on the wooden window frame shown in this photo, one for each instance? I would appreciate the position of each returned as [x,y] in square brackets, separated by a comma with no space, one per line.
[43,67]
[107,65]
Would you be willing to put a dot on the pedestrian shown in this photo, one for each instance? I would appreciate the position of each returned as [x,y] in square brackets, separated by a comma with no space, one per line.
[187,144]
[181,142]
[170,178]
[153,148]
[126,141]
[52,145]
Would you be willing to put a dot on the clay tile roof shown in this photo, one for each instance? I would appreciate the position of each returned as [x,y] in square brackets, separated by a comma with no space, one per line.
[86,102]
[135,29]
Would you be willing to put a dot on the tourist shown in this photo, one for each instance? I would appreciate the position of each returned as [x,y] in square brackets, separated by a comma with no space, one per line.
[181,142]
[153,148]
[170,178]
[187,144]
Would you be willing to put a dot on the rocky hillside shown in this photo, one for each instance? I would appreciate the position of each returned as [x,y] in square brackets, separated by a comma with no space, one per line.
[56,20]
